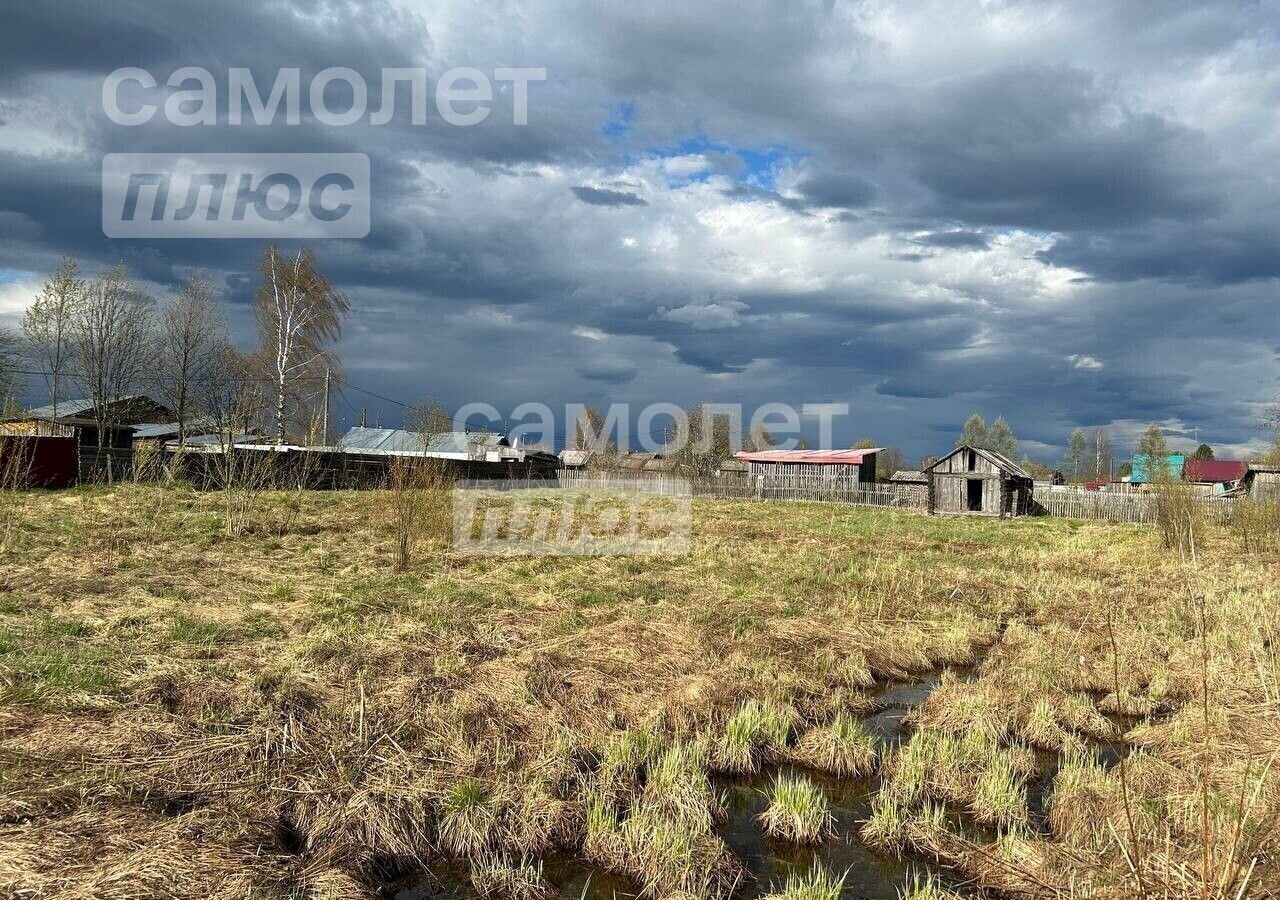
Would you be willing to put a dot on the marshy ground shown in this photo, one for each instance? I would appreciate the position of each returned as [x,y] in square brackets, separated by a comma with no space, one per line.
[280,714]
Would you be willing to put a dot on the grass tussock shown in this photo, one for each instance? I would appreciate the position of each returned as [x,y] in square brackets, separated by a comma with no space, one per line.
[927,888]
[816,884]
[843,747]
[757,732]
[798,811]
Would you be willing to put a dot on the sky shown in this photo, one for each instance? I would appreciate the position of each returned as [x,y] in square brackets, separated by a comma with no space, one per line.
[1064,213]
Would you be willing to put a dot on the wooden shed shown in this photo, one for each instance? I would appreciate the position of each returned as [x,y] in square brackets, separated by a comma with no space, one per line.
[816,471]
[973,481]
[1262,482]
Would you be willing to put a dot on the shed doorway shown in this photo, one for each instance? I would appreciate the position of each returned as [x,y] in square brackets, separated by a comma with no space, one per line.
[973,494]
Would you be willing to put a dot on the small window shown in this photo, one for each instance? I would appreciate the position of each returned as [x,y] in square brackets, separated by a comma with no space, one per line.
[973,461]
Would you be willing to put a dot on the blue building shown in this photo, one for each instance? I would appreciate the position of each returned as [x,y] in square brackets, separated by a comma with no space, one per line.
[1142,472]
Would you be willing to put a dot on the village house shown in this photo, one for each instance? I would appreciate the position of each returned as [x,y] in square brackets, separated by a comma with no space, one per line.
[974,481]
[78,419]
[1214,476]
[1144,471]
[482,454]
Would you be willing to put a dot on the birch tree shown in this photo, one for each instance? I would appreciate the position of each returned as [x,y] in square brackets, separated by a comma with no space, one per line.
[1077,451]
[112,331]
[191,330]
[47,326]
[1000,439]
[1102,455]
[974,433]
[299,315]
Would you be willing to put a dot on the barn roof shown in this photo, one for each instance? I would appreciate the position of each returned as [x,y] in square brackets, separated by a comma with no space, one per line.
[909,476]
[811,457]
[999,460]
[65,408]
[1214,471]
[572,457]
[398,440]
[152,430]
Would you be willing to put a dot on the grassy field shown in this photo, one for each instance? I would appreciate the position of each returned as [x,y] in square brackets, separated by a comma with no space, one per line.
[281,714]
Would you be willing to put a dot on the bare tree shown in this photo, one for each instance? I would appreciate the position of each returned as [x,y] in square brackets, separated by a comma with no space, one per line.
[48,325]
[229,395]
[9,380]
[299,314]
[589,432]
[112,331]
[427,417]
[759,438]
[1102,454]
[191,334]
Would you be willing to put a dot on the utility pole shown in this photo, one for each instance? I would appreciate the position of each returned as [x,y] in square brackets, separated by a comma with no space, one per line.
[327,373]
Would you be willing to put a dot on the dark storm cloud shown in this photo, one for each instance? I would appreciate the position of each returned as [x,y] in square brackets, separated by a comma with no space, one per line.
[610,372]
[603,197]
[836,189]
[804,231]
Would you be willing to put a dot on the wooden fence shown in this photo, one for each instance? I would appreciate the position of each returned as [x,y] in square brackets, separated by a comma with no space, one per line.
[661,483]
[782,488]
[1118,507]
[810,490]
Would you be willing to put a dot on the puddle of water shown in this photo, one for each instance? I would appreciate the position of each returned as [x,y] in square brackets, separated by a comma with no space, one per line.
[574,880]
[871,875]
[897,699]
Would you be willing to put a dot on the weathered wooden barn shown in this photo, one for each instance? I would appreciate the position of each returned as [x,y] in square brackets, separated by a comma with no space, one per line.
[811,470]
[973,481]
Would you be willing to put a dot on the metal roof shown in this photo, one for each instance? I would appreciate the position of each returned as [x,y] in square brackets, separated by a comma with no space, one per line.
[381,440]
[151,430]
[811,457]
[65,408]
[398,440]
[206,440]
[81,410]
[464,441]
[1214,471]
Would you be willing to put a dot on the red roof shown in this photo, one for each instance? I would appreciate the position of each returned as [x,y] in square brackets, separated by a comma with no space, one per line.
[1214,471]
[813,457]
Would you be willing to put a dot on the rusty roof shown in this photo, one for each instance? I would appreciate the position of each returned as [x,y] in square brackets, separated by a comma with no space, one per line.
[810,457]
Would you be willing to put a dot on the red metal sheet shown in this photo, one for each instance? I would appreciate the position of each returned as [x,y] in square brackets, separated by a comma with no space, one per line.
[812,457]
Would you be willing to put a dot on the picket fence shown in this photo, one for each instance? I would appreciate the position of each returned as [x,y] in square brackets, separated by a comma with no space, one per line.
[1126,507]
[787,488]
[1106,506]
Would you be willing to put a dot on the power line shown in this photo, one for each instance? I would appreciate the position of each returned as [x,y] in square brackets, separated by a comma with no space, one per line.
[377,395]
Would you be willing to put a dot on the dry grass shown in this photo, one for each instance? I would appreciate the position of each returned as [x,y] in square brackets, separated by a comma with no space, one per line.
[185,710]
